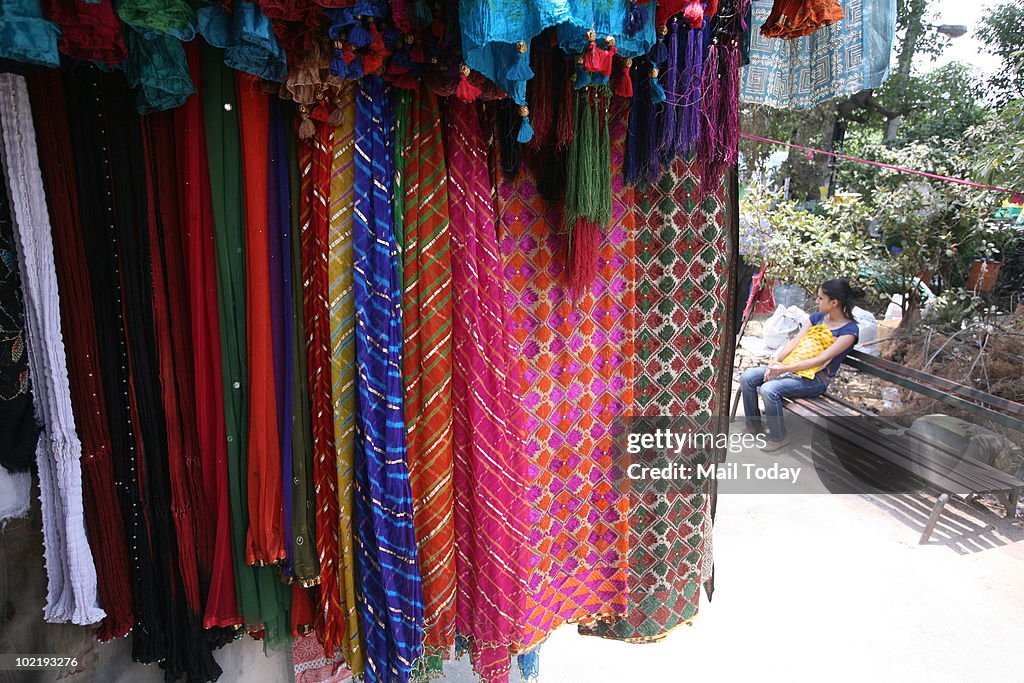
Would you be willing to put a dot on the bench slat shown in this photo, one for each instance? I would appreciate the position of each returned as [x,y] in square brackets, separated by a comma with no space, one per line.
[984,475]
[954,481]
[992,401]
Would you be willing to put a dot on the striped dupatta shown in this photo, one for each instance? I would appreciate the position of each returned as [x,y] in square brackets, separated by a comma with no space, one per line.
[490,469]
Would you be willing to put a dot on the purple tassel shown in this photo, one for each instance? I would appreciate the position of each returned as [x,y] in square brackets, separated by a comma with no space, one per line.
[648,155]
[730,134]
[689,132]
[709,144]
[634,20]
[672,109]
[659,53]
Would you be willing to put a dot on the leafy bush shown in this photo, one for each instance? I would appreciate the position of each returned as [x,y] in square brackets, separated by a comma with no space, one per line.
[807,247]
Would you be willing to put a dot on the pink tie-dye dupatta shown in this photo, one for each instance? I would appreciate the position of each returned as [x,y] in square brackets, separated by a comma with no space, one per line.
[490,468]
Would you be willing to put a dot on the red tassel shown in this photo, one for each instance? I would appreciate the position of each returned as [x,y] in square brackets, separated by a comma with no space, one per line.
[624,83]
[466,91]
[541,98]
[566,129]
[585,245]
[711,9]
[693,12]
[373,60]
[598,61]
[348,54]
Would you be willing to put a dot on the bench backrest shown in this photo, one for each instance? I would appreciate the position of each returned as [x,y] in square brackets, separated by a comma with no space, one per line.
[980,403]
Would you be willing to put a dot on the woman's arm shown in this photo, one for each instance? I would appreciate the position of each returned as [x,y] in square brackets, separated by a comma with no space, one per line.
[791,344]
[773,364]
[841,344]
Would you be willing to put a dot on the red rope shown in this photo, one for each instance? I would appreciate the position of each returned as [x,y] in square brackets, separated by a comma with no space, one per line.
[1017,197]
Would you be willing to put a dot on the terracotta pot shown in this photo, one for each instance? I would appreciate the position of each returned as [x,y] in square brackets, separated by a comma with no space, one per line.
[984,275]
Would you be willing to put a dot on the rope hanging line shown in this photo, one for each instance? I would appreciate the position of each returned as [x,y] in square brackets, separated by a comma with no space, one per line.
[1016,196]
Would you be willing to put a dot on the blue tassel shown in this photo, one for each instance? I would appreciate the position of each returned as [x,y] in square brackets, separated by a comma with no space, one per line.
[583,77]
[403,59]
[422,14]
[657,92]
[634,20]
[529,664]
[461,645]
[520,70]
[518,92]
[339,68]
[393,38]
[358,36]
[659,54]
[355,70]
[525,135]
[599,79]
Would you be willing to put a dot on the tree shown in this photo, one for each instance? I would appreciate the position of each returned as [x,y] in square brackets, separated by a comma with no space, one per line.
[1002,32]
[1000,156]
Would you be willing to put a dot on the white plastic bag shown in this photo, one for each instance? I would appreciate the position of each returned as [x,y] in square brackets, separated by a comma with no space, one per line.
[868,325]
[781,324]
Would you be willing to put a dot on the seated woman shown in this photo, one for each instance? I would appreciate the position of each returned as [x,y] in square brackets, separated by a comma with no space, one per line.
[809,361]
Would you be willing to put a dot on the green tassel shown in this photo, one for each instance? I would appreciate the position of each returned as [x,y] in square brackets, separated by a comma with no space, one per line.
[422,14]
[588,166]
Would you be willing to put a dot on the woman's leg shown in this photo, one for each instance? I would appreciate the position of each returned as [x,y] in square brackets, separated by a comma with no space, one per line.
[775,390]
[749,383]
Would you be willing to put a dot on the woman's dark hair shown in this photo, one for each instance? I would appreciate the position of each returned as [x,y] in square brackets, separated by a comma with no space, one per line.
[840,290]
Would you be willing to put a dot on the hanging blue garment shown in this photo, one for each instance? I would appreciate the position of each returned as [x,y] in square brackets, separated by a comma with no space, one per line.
[392,595]
[609,18]
[494,32]
[836,61]
[158,68]
[27,37]
[247,38]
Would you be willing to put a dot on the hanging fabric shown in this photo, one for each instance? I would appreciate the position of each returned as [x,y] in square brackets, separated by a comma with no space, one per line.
[71,575]
[264,540]
[682,296]
[341,264]
[196,212]
[262,600]
[89,31]
[422,221]
[833,62]
[392,596]
[490,470]
[28,37]
[315,159]
[578,378]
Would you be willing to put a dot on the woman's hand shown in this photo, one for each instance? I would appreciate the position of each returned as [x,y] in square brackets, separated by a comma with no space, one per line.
[774,370]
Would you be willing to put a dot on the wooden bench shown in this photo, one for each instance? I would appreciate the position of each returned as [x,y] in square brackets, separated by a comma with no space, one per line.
[926,460]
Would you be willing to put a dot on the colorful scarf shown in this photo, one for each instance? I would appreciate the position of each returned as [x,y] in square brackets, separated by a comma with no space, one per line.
[103,515]
[343,363]
[198,229]
[578,380]
[682,297]
[264,541]
[315,164]
[71,593]
[490,470]
[421,215]
[838,60]
[261,597]
[392,600]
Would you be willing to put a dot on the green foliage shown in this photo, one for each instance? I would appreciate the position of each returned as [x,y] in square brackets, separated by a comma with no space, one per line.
[957,308]
[932,228]
[806,247]
[1002,32]
[1000,148]
[942,104]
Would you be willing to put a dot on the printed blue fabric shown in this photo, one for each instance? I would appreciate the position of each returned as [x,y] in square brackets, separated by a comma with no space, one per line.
[836,61]
[27,37]
[392,594]
[247,38]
